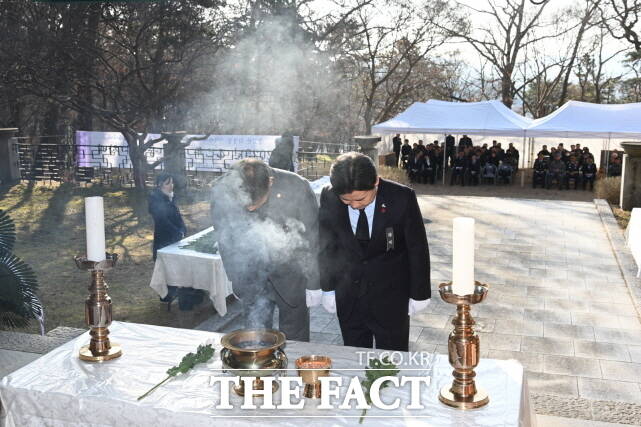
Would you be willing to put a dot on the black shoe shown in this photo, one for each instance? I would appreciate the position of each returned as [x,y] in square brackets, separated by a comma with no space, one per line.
[172,294]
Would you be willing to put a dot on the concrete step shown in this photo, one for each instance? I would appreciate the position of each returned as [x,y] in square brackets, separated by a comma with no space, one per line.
[33,343]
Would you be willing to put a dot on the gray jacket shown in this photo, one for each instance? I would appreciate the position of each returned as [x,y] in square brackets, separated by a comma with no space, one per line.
[277,243]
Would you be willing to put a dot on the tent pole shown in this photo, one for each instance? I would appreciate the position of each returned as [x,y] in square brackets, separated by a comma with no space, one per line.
[444,156]
[607,155]
[523,167]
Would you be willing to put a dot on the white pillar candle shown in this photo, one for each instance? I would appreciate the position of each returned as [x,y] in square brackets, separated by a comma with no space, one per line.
[95,226]
[463,256]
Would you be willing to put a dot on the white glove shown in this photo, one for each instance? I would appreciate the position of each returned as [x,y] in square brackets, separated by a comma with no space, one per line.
[329,301]
[417,306]
[313,297]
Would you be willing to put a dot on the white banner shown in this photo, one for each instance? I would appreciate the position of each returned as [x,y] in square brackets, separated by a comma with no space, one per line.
[214,154]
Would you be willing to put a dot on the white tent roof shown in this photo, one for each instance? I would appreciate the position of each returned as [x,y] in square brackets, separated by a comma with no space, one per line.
[471,118]
[578,119]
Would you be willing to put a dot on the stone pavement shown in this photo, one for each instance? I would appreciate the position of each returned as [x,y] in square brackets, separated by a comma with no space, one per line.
[19,349]
[557,302]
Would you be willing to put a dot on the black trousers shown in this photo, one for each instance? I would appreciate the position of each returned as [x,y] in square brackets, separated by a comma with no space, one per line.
[361,329]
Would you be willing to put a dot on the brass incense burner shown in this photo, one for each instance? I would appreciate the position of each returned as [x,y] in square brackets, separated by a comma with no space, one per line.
[253,353]
[98,311]
[311,368]
[463,350]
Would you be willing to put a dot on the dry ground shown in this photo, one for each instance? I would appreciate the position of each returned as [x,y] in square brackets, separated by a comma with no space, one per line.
[51,230]
[50,226]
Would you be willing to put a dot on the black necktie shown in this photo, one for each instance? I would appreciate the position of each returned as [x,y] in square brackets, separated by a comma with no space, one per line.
[362,229]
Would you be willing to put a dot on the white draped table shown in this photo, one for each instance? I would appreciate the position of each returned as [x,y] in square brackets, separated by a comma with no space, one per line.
[60,390]
[177,266]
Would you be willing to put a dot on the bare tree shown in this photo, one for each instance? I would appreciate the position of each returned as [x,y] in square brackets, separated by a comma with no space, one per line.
[586,21]
[544,73]
[138,67]
[622,19]
[389,57]
[501,42]
[595,84]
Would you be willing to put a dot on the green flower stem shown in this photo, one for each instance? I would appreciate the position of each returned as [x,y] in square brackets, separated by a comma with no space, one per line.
[155,387]
[360,421]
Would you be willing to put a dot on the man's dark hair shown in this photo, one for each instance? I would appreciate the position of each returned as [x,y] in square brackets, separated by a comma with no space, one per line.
[352,172]
[163,177]
[255,175]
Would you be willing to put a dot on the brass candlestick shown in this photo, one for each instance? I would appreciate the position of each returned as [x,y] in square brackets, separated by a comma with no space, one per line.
[98,311]
[463,350]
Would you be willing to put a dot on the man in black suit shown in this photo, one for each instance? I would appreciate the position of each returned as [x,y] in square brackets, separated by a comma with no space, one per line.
[266,225]
[396,142]
[374,258]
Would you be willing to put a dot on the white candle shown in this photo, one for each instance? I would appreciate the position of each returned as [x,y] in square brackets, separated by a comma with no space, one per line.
[463,256]
[95,226]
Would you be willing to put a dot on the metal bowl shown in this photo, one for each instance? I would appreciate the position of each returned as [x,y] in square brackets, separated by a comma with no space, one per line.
[253,352]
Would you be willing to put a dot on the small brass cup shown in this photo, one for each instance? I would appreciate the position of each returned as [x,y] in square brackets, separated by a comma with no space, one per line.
[311,368]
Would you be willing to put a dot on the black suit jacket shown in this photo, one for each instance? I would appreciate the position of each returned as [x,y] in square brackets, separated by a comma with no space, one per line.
[388,273]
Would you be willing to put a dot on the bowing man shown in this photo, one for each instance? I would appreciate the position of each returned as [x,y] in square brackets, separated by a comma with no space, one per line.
[374,258]
[266,225]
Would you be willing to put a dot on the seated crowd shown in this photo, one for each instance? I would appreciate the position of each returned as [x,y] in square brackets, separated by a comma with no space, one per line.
[469,164]
[473,165]
[564,167]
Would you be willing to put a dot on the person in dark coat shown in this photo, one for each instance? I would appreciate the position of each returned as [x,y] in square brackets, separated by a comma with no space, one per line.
[406,152]
[589,172]
[539,170]
[396,142]
[450,142]
[282,155]
[374,259]
[169,228]
[459,166]
[474,170]
[266,225]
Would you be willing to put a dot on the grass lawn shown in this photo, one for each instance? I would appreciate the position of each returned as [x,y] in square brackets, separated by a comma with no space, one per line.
[51,230]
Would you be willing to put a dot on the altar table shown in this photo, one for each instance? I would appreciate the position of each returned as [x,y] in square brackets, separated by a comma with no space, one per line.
[178,266]
[60,390]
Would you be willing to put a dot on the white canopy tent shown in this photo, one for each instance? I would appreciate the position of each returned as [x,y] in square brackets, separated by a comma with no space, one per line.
[469,118]
[575,119]
[578,119]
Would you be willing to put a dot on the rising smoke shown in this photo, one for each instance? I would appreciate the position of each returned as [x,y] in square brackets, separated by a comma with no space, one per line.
[261,247]
[274,80]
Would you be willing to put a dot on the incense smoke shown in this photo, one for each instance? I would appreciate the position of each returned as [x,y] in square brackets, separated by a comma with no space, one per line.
[264,248]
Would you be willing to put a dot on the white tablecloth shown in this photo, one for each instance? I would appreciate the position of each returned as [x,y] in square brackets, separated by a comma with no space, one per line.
[60,390]
[188,268]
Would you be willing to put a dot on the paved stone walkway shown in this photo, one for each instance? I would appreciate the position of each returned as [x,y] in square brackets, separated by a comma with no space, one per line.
[557,300]
[557,303]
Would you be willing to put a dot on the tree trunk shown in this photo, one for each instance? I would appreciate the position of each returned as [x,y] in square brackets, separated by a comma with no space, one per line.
[506,89]
[367,116]
[138,160]
[84,120]
[174,158]
[51,119]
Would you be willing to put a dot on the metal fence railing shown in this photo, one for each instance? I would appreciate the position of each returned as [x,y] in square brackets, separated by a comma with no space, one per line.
[111,165]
